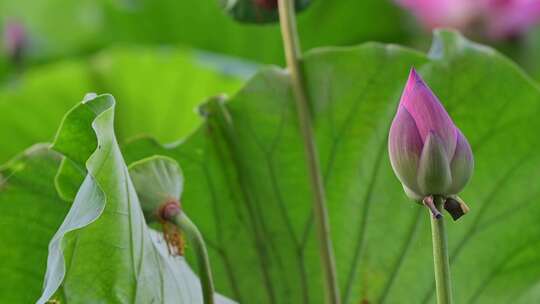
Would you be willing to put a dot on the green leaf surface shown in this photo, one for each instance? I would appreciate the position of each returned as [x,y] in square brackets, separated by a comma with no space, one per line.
[31,213]
[104,252]
[147,80]
[246,184]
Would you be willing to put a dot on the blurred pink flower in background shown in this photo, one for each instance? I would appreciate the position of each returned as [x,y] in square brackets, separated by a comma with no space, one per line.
[14,39]
[497,19]
[442,13]
[506,18]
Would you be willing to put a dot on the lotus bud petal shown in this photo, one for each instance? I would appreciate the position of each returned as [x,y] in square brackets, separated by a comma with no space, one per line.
[428,113]
[415,196]
[462,164]
[434,176]
[405,145]
[428,153]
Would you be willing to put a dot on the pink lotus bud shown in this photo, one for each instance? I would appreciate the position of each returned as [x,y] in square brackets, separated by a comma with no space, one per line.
[429,154]
[14,40]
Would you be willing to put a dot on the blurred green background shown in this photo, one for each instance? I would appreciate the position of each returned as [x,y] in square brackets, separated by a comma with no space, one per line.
[155,57]
[158,57]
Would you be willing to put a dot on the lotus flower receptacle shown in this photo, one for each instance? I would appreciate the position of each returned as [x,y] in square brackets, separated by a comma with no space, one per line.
[158,182]
[429,154]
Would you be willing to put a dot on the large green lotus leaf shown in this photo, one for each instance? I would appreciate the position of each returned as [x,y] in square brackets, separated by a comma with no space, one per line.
[104,252]
[31,211]
[246,184]
[146,79]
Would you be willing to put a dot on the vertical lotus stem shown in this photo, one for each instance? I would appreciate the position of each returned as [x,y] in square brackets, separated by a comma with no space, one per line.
[440,257]
[196,240]
[291,44]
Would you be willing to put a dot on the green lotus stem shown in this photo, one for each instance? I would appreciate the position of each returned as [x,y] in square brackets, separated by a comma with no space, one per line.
[196,240]
[287,19]
[440,256]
